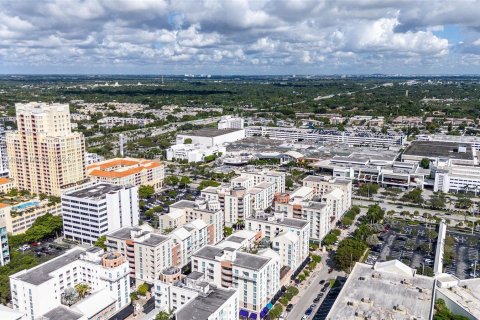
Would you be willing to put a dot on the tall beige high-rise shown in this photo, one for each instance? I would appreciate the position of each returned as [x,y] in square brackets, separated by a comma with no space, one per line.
[44,154]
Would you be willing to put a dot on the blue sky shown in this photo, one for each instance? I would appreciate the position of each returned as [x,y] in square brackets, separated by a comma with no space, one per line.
[240,36]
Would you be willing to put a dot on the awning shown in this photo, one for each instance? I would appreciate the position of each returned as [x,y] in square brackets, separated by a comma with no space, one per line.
[262,314]
[243,313]
[269,306]
[253,316]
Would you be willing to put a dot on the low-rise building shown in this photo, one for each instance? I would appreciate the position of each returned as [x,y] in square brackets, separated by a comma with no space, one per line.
[289,237]
[128,171]
[45,291]
[186,240]
[194,298]
[20,216]
[209,137]
[193,152]
[255,276]
[440,151]
[262,195]
[5,185]
[97,209]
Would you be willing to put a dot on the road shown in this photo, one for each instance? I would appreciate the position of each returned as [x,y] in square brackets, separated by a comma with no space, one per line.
[310,288]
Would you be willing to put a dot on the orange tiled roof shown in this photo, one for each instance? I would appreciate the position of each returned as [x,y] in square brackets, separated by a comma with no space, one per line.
[4,180]
[99,169]
[4,205]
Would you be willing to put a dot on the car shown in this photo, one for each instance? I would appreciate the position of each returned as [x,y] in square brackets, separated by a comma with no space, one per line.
[324,289]
[320,295]
[304,317]
[316,300]
[308,311]
[322,282]
[313,306]
[289,307]
[330,270]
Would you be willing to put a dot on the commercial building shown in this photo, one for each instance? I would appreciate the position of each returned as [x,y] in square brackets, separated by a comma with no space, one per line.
[355,137]
[98,208]
[389,290]
[209,137]
[42,292]
[192,298]
[450,177]
[45,156]
[255,276]
[375,167]
[4,250]
[208,211]
[128,171]
[471,140]
[229,122]
[289,237]
[193,152]
[19,216]
[440,151]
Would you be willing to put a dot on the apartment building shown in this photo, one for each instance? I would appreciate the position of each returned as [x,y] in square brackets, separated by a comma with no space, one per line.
[278,178]
[323,185]
[289,237]
[262,195]
[186,240]
[235,202]
[128,171]
[3,151]
[20,216]
[153,253]
[194,298]
[193,152]
[4,249]
[39,292]
[97,209]
[241,239]
[255,276]
[123,240]
[45,156]
[208,211]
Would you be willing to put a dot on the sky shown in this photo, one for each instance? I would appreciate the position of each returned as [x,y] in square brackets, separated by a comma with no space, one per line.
[223,37]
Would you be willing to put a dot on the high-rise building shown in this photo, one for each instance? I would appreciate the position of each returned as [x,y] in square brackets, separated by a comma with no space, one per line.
[96,209]
[3,151]
[44,154]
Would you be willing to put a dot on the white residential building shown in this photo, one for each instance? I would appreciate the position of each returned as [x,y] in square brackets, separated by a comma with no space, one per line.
[37,292]
[194,298]
[262,195]
[229,122]
[235,202]
[4,250]
[153,253]
[188,239]
[96,209]
[275,227]
[256,277]
[278,178]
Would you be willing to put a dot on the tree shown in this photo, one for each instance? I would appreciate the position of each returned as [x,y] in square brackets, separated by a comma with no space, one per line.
[184,181]
[100,243]
[347,221]
[368,189]
[83,290]
[349,251]
[425,163]
[276,311]
[143,289]
[375,213]
[414,196]
[363,232]
[187,141]
[171,180]
[145,192]
[227,231]
[162,315]
[289,183]
[372,240]
[316,258]
[443,313]
[207,183]
[438,200]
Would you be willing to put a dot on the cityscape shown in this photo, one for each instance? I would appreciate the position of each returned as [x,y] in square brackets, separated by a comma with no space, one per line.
[157,165]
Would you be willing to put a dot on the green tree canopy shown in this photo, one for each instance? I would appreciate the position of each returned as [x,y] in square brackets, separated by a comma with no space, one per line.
[145,192]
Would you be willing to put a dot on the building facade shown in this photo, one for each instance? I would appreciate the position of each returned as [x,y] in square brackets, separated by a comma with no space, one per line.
[97,209]
[128,171]
[45,156]
[4,249]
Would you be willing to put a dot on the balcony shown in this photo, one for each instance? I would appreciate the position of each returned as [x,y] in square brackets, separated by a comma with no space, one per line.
[227,272]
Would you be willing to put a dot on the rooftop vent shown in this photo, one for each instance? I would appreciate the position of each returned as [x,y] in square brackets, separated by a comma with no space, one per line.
[361,278]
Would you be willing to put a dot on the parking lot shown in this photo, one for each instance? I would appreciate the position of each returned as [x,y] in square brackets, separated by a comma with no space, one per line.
[44,248]
[415,246]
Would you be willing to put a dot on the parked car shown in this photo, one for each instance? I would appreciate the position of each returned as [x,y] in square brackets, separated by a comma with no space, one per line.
[316,300]
[330,270]
[322,281]
[289,307]
[308,311]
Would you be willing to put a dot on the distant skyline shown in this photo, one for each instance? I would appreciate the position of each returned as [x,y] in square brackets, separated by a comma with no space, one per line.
[239,37]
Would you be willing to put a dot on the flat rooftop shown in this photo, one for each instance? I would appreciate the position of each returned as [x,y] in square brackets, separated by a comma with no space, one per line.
[244,260]
[61,313]
[203,306]
[95,192]
[154,240]
[183,204]
[466,295]
[442,149]
[123,233]
[209,132]
[391,291]
[41,273]
[288,222]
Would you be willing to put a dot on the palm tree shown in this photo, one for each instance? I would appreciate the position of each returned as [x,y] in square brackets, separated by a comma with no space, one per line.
[83,289]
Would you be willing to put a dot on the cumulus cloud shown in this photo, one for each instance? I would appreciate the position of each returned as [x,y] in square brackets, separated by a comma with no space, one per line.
[217,36]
